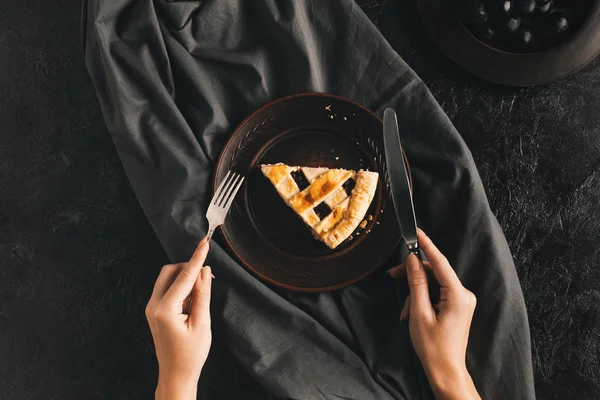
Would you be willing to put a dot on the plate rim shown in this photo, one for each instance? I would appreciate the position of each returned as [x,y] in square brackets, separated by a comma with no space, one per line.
[220,229]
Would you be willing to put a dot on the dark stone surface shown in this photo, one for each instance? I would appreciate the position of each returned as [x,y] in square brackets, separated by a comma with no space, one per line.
[78,258]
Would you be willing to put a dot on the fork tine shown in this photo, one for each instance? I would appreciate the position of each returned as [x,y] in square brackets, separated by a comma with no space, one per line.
[219,191]
[223,194]
[234,179]
[234,192]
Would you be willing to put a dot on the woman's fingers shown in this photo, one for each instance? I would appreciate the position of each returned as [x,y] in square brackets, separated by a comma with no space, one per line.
[200,253]
[200,313]
[405,309]
[183,284]
[440,266]
[400,270]
[420,303]
[165,279]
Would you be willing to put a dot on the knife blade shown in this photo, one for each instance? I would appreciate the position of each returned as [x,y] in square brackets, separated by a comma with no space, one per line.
[399,182]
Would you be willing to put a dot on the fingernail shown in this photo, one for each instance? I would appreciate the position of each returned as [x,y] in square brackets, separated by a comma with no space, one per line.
[415,265]
[212,276]
[389,271]
[206,270]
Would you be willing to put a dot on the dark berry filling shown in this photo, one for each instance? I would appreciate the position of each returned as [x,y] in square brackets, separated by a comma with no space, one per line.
[322,210]
[349,186]
[300,179]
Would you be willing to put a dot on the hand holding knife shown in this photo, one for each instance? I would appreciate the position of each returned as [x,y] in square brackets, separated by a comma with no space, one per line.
[437,329]
[402,194]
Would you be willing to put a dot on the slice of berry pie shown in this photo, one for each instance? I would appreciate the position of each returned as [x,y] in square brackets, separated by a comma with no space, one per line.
[333,202]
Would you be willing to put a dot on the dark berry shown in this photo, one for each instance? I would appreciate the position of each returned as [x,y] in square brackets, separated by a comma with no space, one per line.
[557,22]
[544,5]
[499,9]
[512,24]
[481,15]
[483,32]
[488,34]
[525,6]
[526,37]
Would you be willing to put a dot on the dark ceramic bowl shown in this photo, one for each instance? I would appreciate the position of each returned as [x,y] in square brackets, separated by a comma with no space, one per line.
[542,47]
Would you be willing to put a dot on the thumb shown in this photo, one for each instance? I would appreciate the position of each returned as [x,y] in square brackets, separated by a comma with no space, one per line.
[420,304]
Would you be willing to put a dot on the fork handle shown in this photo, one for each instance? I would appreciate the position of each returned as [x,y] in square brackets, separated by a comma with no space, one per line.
[211,230]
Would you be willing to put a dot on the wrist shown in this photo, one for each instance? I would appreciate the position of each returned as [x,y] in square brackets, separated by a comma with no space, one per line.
[173,388]
[453,384]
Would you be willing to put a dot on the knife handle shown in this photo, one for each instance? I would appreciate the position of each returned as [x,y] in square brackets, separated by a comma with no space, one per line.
[416,250]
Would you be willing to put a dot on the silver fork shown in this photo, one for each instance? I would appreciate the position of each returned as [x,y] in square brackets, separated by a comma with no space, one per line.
[217,211]
[222,200]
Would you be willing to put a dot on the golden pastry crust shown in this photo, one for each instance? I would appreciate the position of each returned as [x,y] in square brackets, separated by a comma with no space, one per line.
[277,172]
[323,187]
[362,195]
[326,189]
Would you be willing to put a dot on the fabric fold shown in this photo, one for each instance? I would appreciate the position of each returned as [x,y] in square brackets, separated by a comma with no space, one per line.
[175,77]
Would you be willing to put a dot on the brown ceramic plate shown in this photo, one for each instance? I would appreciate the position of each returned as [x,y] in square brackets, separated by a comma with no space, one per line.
[503,67]
[267,237]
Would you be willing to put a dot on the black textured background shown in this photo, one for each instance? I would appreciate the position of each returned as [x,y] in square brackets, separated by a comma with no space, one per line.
[78,258]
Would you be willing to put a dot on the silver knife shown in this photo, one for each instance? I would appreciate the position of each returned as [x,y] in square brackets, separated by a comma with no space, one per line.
[399,183]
